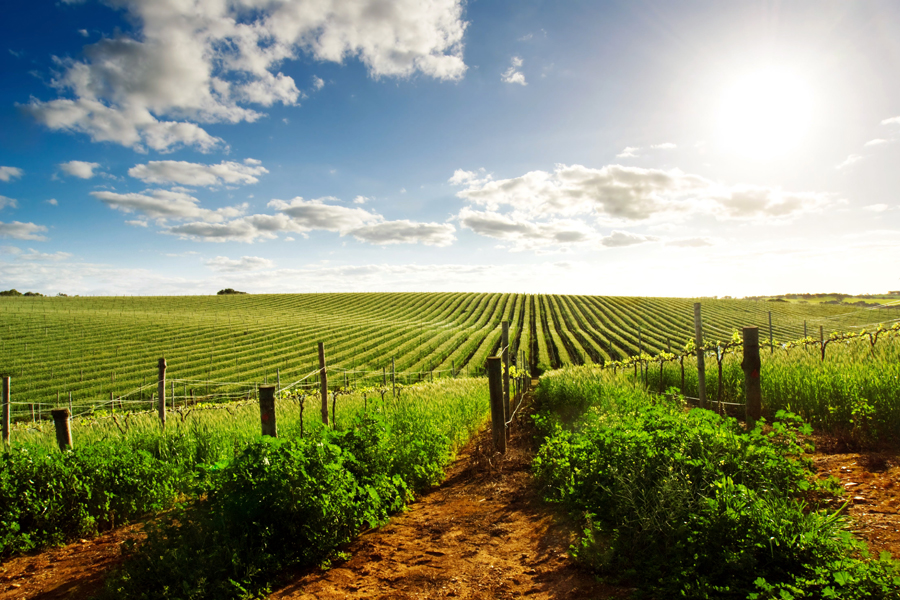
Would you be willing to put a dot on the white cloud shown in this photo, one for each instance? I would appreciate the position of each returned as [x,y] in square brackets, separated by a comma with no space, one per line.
[166,172]
[79,168]
[315,214]
[318,83]
[165,204]
[526,234]
[84,32]
[245,263]
[628,152]
[850,160]
[876,207]
[36,256]
[876,142]
[891,121]
[664,146]
[10,202]
[406,232]
[619,239]
[513,74]
[245,229]
[543,208]
[52,202]
[360,200]
[10,173]
[137,223]
[22,231]
[203,62]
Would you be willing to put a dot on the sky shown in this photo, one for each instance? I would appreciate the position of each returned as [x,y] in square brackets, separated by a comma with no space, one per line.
[690,148]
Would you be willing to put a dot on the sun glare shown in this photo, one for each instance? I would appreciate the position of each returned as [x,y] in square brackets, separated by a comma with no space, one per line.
[765,114]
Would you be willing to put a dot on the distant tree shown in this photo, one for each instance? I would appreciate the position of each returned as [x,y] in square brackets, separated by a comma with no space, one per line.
[228,291]
[61,295]
[12,292]
[33,294]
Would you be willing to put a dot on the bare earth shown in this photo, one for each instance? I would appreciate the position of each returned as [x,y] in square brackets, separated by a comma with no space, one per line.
[483,533]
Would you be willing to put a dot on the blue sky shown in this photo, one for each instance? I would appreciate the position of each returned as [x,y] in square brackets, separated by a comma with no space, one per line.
[635,148]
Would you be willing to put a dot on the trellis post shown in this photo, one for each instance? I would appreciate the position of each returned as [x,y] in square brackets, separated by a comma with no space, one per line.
[323,382]
[6,410]
[751,365]
[267,410]
[63,429]
[161,391]
[504,343]
[498,416]
[701,363]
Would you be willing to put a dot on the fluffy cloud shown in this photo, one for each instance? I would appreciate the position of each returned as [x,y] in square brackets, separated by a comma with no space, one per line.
[4,202]
[628,152]
[245,229]
[79,168]
[664,146]
[203,62]
[245,263]
[619,239]
[406,232]
[891,121]
[36,256]
[630,194]
[167,172]
[22,231]
[164,204]
[513,74]
[525,234]
[10,173]
[315,214]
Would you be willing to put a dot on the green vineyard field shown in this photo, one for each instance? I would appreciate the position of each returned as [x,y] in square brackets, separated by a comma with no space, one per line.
[95,347]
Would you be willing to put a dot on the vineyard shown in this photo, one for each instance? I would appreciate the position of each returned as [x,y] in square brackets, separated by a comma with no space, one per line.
[91,350]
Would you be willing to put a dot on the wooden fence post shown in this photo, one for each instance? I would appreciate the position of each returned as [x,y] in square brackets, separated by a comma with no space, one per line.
[267,410]
[822,340]
[498,416]
[323,383]
[504,344]
[63,429]
[751,365]
[701,362]
[161,391]
[6,406]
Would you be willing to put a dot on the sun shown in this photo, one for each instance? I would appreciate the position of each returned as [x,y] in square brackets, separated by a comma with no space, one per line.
[765,114]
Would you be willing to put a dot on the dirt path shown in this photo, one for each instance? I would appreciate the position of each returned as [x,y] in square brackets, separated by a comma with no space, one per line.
[483,533]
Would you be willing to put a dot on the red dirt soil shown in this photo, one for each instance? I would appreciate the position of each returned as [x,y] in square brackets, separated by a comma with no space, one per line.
[483,533]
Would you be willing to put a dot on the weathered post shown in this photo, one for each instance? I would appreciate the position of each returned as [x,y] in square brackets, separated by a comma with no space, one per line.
[701,363]
[504,344]
[822,340]
[323,383]
[161,391]
[498,415]
[63,430]
[751,365]
[771,342]
[267,410]
[6,407]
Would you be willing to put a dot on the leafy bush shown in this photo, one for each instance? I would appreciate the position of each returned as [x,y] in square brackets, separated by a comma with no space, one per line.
[50,497]
[688,503]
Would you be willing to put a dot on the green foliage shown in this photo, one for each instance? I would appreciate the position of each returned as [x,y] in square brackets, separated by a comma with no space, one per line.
[49,498]
[294,501]
[688,503]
